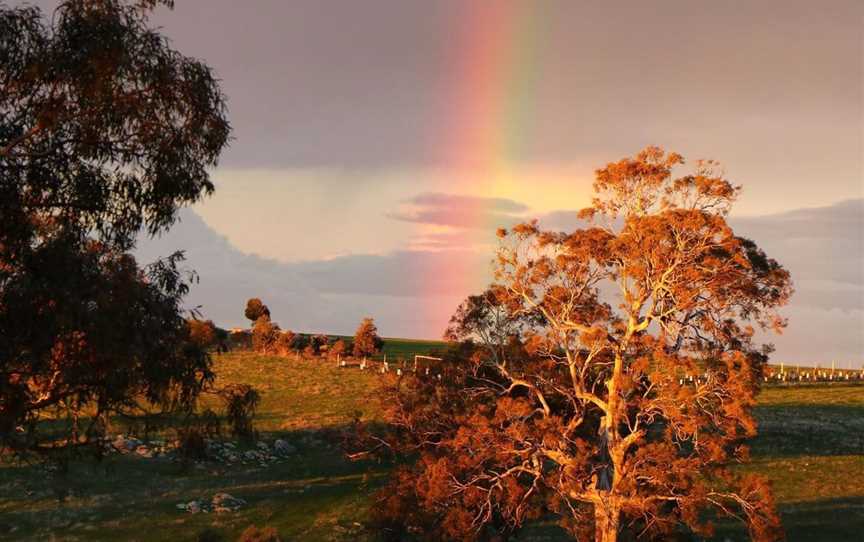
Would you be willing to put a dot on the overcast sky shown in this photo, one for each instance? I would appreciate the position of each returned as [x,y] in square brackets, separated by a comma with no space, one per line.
[374,137]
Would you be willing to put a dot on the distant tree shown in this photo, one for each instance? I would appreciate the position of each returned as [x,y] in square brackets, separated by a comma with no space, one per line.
[626,411]
[264,335]
[310,351]
[301,341]
[485,320]
[255,309]
[321,342]
[104,130]
[202,332]
[337,349]
[366,339]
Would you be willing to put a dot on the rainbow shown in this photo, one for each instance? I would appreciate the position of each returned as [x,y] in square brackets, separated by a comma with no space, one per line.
[488,116]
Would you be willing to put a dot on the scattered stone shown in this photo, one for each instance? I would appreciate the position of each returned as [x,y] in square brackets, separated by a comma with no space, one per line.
[124,445]
[144,451]
[223,502]
[283,447]
[220,503]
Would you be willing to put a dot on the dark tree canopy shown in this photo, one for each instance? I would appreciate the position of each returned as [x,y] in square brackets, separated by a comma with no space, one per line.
[103,126]
[632,396]
[104,130]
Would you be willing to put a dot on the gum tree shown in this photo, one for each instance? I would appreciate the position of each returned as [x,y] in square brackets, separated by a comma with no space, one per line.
[634,395]
[105,130]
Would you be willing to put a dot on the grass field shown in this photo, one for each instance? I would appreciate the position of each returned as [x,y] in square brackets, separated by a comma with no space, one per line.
[811,445]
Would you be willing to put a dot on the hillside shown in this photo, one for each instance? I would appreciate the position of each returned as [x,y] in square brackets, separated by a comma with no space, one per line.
[811,445]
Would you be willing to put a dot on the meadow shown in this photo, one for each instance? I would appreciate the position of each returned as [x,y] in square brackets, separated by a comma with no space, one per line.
[811,445]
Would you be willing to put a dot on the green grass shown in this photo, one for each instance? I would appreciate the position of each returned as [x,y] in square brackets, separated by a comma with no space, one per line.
[810,446]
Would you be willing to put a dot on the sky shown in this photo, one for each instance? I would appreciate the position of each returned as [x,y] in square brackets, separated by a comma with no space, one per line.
[378,144]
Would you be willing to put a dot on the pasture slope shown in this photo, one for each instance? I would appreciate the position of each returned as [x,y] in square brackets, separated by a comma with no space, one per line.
[811,445]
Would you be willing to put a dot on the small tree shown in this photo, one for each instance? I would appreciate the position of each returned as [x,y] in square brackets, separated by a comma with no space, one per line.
[255,309]
[322,343]
[264,334]
[241,402]
[366,339]
[337,349]
[633,396]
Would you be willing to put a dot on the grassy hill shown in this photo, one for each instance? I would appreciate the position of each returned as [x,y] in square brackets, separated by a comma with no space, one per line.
[811,445]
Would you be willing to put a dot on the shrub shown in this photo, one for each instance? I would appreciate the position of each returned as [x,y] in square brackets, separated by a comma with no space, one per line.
[285,342]
[241,402]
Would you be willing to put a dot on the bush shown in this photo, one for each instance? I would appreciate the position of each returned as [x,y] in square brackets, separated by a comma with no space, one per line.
[241,402]
[285,342]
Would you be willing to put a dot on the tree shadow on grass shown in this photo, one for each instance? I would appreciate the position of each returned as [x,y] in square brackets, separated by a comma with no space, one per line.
[826,520]
[799,429]
[123,494]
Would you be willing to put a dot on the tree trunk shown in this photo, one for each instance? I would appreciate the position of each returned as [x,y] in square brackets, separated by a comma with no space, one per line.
[606,518]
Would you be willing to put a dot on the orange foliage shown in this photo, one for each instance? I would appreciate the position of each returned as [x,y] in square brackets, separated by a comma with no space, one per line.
[629,393]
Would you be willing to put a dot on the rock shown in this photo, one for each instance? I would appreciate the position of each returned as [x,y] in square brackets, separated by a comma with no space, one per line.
[223,502]
[283,447]
[263,446]
[193,507]
[181,506]
[144,451]
[125,445]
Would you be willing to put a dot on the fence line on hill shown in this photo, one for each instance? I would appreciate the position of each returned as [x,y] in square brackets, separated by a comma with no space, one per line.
[402,363]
